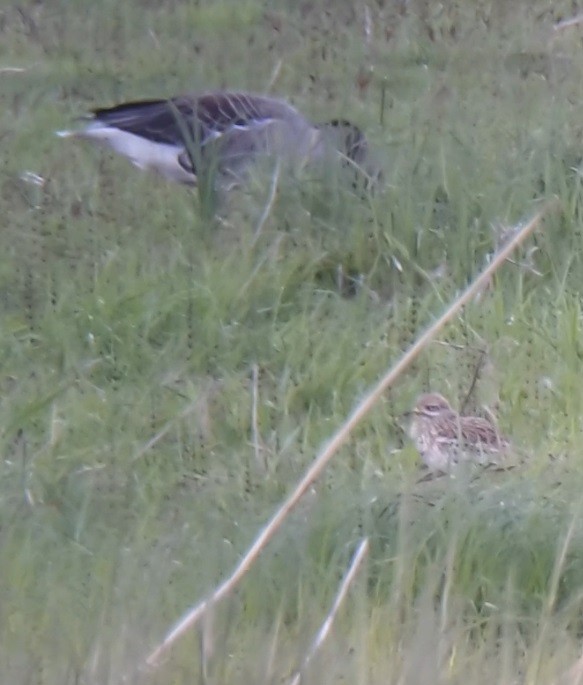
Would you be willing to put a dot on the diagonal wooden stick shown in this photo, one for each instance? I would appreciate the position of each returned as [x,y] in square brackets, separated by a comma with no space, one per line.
[192,616]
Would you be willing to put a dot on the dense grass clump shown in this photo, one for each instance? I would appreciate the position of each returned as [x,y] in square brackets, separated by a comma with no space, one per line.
[167,377]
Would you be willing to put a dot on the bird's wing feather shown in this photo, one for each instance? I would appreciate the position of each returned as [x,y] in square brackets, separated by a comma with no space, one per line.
[481,433]
[202,123]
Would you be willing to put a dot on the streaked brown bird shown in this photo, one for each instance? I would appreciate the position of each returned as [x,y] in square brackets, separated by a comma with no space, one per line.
[444,438]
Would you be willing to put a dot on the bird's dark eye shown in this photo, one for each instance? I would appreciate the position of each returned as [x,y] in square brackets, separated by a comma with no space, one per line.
[433,407]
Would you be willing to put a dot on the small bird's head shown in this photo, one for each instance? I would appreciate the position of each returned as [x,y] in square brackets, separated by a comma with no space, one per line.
[431,405]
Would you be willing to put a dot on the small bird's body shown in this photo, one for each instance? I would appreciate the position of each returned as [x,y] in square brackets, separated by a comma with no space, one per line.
[443,438]
[223,133]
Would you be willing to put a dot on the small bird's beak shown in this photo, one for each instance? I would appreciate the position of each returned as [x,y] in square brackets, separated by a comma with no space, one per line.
[405,420]
[410,413]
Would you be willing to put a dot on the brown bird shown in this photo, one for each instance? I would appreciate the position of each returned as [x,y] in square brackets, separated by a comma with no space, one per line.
[444,438]
[223,133]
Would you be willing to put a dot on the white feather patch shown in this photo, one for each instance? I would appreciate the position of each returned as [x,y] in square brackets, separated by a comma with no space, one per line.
[143,153]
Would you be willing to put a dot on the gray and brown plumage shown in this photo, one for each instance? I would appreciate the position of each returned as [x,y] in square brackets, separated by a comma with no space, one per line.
[182,137]
[444,438]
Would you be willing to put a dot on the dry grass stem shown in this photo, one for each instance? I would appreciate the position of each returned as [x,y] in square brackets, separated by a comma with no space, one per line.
[568,23]
[368,25]
[272,253]
[254,421]
[152,442]
[274,75]
[269,204]
[574,676]
[324,631]
[560,564]
[12,70]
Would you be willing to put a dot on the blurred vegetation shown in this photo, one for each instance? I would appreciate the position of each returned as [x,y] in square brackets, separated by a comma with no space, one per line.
[132,478]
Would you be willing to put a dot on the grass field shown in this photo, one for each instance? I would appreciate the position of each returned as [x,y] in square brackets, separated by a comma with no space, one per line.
[137,336]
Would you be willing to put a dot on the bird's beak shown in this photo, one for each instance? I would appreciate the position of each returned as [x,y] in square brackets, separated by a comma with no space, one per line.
[411,412]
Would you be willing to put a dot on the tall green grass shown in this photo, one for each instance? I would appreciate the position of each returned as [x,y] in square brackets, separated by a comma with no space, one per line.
[132,479]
